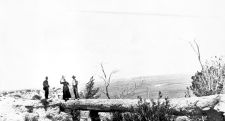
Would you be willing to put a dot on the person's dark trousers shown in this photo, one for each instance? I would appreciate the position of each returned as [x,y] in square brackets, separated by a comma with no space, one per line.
[75,92]
[46,93]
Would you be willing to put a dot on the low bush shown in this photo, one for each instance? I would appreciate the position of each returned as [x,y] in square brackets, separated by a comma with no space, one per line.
[210,80]
[145,111]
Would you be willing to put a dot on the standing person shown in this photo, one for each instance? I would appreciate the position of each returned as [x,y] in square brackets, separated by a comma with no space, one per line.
[75,88]
[46,87]
[66,91]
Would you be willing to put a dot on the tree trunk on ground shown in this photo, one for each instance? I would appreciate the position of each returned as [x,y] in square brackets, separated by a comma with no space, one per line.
[180,105]
[212,106]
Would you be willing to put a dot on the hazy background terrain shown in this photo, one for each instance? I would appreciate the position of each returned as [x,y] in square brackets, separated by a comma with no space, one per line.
[173,86]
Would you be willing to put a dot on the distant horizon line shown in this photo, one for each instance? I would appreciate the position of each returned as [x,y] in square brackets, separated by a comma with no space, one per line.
[117,79]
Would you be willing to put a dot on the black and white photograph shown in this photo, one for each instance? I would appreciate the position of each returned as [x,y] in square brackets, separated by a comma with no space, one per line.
[112,60]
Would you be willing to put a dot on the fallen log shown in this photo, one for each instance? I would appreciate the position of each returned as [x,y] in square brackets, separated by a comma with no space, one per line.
[194,105]
[187,104]
[101,105]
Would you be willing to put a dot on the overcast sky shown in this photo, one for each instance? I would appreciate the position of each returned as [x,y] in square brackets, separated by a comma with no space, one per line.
[41,38]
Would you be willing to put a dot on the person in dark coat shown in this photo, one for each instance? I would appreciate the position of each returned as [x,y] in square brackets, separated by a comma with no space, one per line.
[46,87]
[66,91]
[75,88]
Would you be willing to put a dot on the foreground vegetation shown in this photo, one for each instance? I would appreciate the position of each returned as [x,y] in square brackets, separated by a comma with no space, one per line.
[209,81]
[147,111]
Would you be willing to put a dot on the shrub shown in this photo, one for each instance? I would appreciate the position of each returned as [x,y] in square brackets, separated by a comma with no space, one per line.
[153,111]
[90,91]
[210,80]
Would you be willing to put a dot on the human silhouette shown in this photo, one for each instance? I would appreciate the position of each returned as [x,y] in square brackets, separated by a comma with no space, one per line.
[75,87]
[46,87]
[66,91]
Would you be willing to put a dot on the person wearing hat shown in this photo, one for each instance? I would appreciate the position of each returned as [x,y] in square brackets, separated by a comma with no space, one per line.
[75,89]
[66,91]
[46,87]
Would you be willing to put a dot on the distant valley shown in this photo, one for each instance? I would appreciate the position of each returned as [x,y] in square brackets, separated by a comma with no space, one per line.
[173,86]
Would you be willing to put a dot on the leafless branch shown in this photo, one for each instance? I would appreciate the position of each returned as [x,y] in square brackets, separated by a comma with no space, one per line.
[107,80]
[199,55]
[111,75]
[103,71]
[197,52]
[193,48]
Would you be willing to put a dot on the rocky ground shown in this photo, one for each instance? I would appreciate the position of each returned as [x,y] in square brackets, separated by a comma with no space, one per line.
[12,106]
[8,112]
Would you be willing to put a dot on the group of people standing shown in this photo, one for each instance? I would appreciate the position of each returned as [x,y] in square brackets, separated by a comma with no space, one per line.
[66,91]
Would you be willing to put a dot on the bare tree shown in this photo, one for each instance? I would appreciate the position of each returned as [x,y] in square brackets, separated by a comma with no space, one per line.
[107,80]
